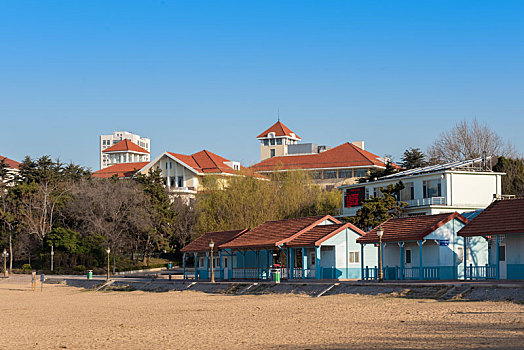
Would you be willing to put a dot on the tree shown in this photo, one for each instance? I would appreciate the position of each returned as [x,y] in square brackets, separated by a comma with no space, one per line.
[160,210]
[113,209]
[468,140]
[247,201]
[413,158]
[376,210]
[513,182]
[376,173]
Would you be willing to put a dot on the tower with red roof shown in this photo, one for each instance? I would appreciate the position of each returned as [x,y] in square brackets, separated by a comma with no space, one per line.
[275,141]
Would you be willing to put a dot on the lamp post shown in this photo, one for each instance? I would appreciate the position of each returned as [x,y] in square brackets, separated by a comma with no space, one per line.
[52,256]
[211,246]
[108,250]
[5,254]
[380,233]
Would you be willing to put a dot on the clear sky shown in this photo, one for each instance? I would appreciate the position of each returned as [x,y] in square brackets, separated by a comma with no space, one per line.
[195,75]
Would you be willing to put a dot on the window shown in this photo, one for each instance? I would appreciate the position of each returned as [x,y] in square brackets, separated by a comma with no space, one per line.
[272,153]
[377,192]
[180,181]
[408,256]
[502,253]
[330,174]
[460,254]
[312,258]
[432,188]
[266,142]
[316,175]
[361,172]
[225,263]
[279,141]
[408,193]
[354,257]
[344,174]
[272,142]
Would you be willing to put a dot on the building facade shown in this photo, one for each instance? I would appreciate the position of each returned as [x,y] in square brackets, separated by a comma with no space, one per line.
[184,174]
[459,186]
[502,225]
[107,141]
[328,167]
[12,167]
[303,248]
[427,248]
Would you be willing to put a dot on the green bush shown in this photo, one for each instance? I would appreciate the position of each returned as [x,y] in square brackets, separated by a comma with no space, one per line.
[80,268]
[26,268]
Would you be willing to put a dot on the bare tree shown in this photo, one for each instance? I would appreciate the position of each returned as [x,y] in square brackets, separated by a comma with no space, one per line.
[468,140]
[113,209]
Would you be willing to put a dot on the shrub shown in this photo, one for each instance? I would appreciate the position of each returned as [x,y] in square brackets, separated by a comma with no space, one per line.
[80,268]
[26,268]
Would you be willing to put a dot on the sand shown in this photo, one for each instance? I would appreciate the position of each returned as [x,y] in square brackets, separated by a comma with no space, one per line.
[67,317]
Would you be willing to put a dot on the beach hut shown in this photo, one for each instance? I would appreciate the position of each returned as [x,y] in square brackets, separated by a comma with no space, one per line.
[425,247]
[201,252]
[309,247]
[502,224]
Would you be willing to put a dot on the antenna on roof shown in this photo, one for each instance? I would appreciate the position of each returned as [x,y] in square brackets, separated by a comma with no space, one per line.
[278,114]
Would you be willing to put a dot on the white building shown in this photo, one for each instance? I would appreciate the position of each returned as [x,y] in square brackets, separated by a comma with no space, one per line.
[12,168]
[125,151]
[184,174]
[458,186]
[107,141]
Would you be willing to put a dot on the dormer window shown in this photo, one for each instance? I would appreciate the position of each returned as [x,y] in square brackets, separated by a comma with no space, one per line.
[271,135]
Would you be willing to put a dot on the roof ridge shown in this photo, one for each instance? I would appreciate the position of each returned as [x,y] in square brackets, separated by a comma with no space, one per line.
[307,228]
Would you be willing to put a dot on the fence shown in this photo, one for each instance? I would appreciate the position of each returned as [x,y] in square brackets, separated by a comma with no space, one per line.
[481,272]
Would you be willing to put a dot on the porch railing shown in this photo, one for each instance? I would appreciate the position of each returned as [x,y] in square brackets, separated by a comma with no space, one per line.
[299,272]
[480,272]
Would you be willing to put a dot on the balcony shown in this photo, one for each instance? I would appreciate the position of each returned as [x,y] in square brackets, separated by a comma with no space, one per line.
[426,201]
[181,190]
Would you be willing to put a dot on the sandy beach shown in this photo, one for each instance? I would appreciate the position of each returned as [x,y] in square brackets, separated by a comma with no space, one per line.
[66,317]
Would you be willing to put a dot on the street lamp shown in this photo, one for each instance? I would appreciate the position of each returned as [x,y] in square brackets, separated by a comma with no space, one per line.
[52,256]
[211,246]
[5,254]
[380,233]
[108,250]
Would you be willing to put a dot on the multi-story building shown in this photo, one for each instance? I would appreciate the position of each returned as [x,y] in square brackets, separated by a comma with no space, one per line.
[107,141]
[280,150]
[126,151]
[458,186]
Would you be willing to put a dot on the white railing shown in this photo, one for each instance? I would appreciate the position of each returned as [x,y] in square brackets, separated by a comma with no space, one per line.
[426,201]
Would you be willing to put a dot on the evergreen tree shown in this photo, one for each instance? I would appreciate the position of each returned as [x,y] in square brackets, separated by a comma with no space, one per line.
[413,158]
[513,182]
[376,210]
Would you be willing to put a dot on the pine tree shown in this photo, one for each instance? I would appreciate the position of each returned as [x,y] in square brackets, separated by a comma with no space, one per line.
[413,158]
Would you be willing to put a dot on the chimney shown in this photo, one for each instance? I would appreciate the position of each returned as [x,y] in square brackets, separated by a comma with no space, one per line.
[359,144]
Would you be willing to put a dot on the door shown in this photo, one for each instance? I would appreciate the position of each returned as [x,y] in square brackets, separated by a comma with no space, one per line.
[226,268]
[502,261]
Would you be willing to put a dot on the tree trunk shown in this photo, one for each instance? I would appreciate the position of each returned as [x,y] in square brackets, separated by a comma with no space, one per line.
[114,263]
[146,249]
[10,251]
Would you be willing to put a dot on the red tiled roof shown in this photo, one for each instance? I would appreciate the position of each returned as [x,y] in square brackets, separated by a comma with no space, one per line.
[411,228]
[13,164]
[345,155]
[201,244]
[120,170]
[319,234]
[272,233]
[500,217]
[210,163]
[280,130]
[126,145]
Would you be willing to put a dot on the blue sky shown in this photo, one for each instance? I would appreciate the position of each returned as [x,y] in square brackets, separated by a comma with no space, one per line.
[211,74]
